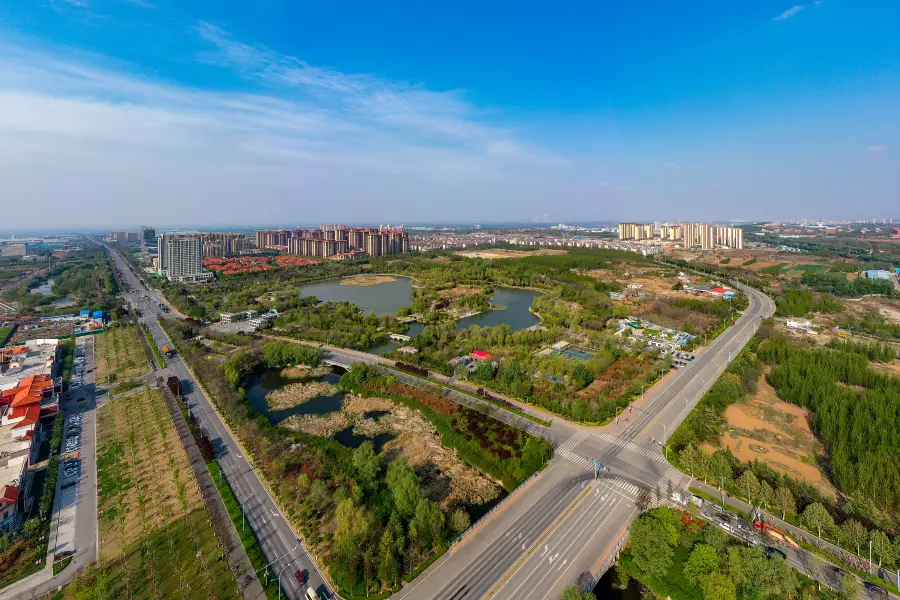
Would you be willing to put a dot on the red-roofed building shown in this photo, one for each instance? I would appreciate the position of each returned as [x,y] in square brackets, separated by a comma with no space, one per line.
[481,355]
[718,291]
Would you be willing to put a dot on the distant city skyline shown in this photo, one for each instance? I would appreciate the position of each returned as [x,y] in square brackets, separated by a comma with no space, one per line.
[116,112]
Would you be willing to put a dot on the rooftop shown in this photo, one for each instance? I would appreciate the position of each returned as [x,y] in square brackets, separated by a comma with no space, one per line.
[33,358]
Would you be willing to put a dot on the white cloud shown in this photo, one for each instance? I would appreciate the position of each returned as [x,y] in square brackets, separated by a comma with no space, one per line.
[789,12]
[876,148]
[137,149]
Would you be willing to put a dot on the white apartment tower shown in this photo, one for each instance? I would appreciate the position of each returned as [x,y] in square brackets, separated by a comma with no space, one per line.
[181,257]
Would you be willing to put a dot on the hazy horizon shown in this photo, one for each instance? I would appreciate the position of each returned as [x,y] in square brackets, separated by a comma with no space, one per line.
[116,112]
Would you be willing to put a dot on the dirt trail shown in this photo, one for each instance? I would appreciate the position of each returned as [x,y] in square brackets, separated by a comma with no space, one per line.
[767,429]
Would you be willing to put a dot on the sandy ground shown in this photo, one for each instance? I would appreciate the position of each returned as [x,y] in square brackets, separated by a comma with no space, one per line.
[366,280]
[298,393]
[777,433]
[498,253]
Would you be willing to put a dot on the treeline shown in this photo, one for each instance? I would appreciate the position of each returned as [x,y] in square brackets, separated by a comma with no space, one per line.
[855,410]
[872,350]
[874,324]
[798,303]
[837,284]
[86,278]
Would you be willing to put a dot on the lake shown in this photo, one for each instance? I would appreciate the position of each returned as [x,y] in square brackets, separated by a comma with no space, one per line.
[387,298]
[382,299]
[45,288]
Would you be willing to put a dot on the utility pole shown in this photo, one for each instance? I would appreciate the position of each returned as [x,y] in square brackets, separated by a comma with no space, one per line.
[722,490]
[665,442]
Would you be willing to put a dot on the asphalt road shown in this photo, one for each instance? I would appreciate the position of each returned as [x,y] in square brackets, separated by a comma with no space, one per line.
[280,545]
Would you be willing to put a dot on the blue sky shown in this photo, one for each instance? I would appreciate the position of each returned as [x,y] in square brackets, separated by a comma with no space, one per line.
[120,112]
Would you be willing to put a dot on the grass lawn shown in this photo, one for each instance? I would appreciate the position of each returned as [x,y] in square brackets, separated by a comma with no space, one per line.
[119,355]
[4,334]
[157,540]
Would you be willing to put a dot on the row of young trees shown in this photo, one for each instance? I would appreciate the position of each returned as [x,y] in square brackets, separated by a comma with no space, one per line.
[798,303]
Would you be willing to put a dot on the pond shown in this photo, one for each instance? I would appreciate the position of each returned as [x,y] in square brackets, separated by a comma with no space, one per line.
[382,299]
[516,314]
[45,288]
[353,440]
[257,386]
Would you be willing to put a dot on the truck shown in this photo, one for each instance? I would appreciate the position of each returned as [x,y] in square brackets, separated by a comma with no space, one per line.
[168,352]
[775,534]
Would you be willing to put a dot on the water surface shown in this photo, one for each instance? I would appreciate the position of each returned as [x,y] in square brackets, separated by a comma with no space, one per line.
[257,386]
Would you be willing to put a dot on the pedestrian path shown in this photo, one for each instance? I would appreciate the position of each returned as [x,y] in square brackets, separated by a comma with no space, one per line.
[646,452]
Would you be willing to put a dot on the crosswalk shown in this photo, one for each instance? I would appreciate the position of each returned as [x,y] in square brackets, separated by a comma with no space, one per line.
[652,454]
[567,451]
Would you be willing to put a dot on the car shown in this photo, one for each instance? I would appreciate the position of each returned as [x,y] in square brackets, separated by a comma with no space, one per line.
[770,552]
[838,572]
[311,594]
[301,577]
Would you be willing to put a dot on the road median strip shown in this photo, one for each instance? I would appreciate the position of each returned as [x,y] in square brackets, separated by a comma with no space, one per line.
[512,570]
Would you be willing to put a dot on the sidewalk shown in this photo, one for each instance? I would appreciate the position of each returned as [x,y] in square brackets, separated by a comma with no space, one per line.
[237,556]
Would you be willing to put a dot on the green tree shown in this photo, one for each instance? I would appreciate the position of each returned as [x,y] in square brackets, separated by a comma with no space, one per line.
[459,521]
[688,458]
[848,587]
[748,485]
[404,487]
[720,468]
[816,516]
[367,464]
[784,501]
[702,561]
[715,537]
[854,533]
[766,493]
[650,546]
[581,375]
[881,546]
[388,565]
[427,525]
[717,586]
[319,496]
[31,527]
[575,593]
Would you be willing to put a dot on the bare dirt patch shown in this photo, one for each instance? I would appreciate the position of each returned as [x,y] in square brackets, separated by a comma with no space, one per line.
[777,433]
[298,393]
[366,280]
[496,253]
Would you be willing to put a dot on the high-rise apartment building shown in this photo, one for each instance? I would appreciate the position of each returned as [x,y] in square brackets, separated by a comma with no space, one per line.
[732,237]
[224,244]
[699,235]
[635,231]
[670,232]
[181,257]
[334,240]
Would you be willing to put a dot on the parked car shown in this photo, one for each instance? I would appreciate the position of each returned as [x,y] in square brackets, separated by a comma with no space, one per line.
[770,552]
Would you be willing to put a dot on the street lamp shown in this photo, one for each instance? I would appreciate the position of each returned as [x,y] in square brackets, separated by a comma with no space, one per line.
[722,490]
[243,527]
[223,471]
[282,571]
[266,568]
[665,442]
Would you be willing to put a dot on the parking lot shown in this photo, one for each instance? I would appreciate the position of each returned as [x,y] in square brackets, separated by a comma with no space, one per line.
[75,509]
